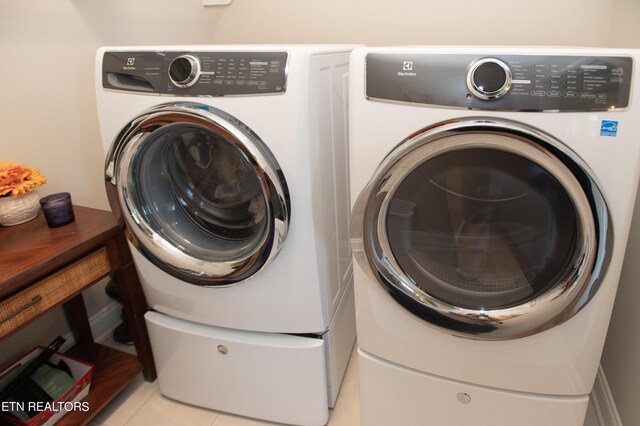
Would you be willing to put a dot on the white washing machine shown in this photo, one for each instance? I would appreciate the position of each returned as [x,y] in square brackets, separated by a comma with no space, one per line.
[496,188]
[228,167]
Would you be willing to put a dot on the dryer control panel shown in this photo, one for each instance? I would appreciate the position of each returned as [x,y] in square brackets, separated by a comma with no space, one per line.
[196,73]
[501,82]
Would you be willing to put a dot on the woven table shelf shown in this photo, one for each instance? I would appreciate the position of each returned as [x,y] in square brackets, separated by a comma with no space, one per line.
[52,290]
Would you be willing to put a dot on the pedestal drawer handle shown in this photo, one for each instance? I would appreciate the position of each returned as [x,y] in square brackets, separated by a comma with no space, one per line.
[34,300]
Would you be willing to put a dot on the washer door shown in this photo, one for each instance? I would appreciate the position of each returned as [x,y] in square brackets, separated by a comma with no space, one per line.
[486,228]
[202,196]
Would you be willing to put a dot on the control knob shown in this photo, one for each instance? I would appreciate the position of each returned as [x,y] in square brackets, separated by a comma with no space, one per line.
[489,78]
[184,71]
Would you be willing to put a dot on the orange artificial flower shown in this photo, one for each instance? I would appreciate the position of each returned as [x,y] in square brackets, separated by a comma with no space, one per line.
[16,179]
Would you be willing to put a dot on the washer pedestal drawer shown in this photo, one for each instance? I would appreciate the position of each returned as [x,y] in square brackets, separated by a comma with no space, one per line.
[270,376]
[391,394]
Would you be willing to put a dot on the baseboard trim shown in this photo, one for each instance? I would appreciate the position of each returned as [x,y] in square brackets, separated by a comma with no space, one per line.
[603,402]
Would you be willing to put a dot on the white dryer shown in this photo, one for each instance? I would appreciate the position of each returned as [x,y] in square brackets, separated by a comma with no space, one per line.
[227,165]
[496,188]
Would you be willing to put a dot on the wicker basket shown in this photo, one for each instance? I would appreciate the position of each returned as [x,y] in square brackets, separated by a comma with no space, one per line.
[15,210]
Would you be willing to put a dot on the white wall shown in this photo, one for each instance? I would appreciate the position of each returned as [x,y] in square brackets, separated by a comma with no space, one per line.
[543,22]
[47,101]
[625,24]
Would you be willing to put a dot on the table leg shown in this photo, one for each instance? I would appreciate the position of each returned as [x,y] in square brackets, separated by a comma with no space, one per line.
[76,313]
[134,307]
[134,303]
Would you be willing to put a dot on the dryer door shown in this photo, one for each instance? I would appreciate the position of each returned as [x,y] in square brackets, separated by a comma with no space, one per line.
[202,196]
[486,228]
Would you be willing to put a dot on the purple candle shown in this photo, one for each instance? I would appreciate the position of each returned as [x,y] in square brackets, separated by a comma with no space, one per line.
[57,209]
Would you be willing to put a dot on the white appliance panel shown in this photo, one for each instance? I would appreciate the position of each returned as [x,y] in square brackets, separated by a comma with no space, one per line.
[428,399]
[269,376]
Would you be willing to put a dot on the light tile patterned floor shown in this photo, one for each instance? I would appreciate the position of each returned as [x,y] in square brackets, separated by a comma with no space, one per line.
[142,405]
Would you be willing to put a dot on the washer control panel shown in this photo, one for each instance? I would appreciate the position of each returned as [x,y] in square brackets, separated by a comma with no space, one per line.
[196,73]
[501,82]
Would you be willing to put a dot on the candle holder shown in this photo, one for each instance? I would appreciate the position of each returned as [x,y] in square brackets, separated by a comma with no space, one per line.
[57,209]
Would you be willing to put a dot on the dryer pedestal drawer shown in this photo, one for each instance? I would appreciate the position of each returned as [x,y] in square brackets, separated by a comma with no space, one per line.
[275,377]
[428,399]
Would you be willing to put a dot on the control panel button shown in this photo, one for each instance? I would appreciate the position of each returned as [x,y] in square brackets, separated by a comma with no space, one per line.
[489,78]
[184,71]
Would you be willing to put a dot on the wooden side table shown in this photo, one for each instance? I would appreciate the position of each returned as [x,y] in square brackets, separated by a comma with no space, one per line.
[42,267]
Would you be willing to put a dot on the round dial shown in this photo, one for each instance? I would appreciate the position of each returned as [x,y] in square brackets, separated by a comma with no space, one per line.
[489,78]
[184,71]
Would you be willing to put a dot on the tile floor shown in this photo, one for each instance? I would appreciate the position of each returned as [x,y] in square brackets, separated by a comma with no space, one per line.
[142,405]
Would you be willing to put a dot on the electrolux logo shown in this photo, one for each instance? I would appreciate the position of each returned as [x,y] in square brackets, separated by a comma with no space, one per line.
[407,69]
[609,128]
[131,62]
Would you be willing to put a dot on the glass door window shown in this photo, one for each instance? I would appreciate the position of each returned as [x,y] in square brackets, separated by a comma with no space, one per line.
[199,193]
[203,196]
[486,228]
[482,228]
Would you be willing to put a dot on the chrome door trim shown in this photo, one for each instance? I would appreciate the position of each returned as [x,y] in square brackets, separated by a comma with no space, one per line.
[151,244]
[372,251]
